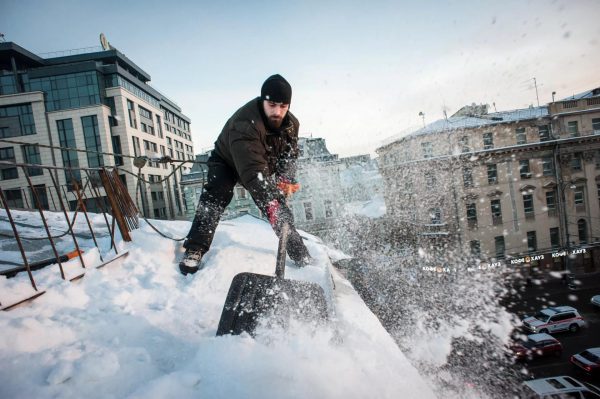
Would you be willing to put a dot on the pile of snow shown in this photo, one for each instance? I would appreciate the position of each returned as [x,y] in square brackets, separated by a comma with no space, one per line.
[139,329]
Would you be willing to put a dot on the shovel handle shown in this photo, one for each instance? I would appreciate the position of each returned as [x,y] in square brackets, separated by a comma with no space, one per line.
[281,251]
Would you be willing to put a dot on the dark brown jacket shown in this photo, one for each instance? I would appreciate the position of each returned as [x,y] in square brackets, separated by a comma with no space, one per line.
[256,153]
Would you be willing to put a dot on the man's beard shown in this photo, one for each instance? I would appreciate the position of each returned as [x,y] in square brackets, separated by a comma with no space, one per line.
[275,123]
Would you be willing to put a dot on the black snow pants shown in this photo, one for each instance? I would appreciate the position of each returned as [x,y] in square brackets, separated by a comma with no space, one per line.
[218,193]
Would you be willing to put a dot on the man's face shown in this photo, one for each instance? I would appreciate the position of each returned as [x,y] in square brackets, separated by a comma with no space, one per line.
[275,113]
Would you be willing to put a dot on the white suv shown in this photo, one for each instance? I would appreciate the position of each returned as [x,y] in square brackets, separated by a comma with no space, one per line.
[555,319]
[559,387]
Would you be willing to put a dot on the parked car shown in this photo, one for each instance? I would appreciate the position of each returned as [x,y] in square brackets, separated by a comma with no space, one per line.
[536,345]
[588,361]
[559,387]
[554,319]
[595,301]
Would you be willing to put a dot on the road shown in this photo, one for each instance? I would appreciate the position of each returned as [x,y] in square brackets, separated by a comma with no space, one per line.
[552,292]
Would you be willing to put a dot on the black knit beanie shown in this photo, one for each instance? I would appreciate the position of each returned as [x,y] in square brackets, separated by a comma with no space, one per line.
[276,89]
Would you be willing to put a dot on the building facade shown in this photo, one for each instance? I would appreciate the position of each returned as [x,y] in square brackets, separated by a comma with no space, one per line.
[99,101]
[519,186]
[317,204]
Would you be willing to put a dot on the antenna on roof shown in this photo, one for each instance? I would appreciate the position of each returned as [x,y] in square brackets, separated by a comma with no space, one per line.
[2,39]
[536,92]
[494,104]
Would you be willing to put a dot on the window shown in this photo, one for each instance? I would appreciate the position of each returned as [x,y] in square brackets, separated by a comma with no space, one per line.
[499,243]
[91,135]
[328,209]
[554,237]
[308,214]
[14,198]
[492,174]
[467,177]
[573,128]
[521,135]
[427,149]
[159,126]
[548,166]
[582,231]
[596,125]
[464,144]
[436,215]
[472,214]
[488,141]
[137,151]
[8,173]
[551,200]
[475,247]
[66,136]
[524,169]
[579,197]
[116,143]
[131,111]
[145,113]
[528,204]
[531,241]
[544,132]
[31,154]
[429,180]
[241,193]
[17,121]
[144,127]
[496,211]
[576,161]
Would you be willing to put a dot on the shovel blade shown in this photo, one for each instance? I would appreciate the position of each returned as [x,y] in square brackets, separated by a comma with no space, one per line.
[253,297]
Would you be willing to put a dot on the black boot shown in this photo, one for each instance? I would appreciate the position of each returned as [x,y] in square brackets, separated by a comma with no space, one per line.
[190,263]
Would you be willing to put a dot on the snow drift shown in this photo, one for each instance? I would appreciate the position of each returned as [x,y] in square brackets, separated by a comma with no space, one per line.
[138,329]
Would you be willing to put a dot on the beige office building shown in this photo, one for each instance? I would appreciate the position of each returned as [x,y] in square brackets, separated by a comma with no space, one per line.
[520,187]
[96,100]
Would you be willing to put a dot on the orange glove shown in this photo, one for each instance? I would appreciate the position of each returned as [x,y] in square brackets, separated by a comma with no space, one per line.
[287,187]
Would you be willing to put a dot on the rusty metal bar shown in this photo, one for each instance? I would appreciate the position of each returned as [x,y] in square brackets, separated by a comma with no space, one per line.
[87,219]
[18,239]
[122,199]
[96,196]
[39,206]
[118,199]
[71,229]
[110,194]
[126,198]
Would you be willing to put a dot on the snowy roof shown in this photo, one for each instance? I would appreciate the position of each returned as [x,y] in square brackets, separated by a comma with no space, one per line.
[139,329]
[586,94]
[463,122]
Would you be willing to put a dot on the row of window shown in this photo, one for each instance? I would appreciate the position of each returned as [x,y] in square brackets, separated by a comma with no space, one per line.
[524,171]
[532,241]
[174,119]
[67,91]
[528,207]
[520,137]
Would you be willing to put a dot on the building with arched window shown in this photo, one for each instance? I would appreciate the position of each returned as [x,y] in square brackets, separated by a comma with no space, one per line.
[510,186]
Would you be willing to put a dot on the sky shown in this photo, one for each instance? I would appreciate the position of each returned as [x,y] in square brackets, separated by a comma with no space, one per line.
[361,71]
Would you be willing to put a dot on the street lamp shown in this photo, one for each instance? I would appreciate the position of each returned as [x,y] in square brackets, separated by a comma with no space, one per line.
[422,115]
[553,94]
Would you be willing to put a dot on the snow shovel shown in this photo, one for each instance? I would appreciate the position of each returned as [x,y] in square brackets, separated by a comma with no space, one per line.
[253,297]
